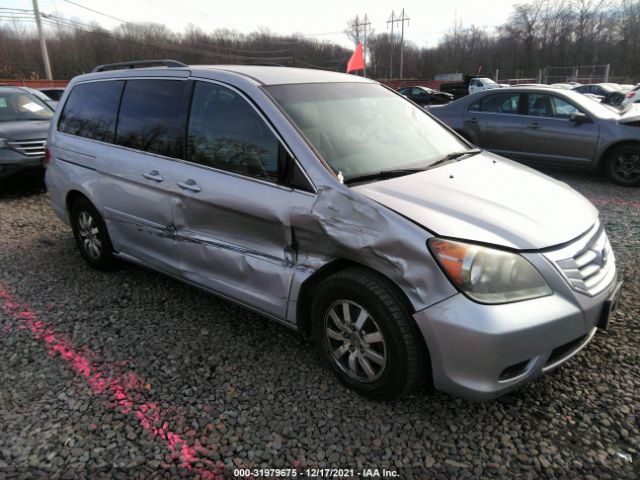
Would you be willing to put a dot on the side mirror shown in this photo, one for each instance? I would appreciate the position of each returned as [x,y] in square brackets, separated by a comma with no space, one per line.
[579,118]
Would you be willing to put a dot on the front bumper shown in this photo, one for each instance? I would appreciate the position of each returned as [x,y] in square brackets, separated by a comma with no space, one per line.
[12,162]
[480,352]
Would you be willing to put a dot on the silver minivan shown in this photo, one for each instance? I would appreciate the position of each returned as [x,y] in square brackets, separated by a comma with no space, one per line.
[335,206]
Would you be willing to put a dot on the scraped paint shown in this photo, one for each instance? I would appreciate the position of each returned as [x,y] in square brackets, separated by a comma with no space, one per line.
[127,389]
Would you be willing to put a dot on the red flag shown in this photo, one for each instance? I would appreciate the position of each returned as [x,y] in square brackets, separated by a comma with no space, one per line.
[356,62]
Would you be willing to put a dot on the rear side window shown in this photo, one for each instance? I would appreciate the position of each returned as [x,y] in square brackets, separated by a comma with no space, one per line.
[91,110]
[153,115]
[497,103]
[225,132]
[543,105]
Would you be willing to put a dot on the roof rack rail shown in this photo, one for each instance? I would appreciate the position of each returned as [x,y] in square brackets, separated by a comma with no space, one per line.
[138,64]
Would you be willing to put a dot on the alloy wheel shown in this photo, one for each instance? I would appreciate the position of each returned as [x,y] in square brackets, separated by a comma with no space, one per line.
[89,235]
[355,341]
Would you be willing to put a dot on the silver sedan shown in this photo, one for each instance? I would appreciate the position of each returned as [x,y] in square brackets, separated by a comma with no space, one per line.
[547,125]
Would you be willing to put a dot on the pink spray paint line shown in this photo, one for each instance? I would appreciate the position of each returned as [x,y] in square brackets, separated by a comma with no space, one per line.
[125,389]
[616,202]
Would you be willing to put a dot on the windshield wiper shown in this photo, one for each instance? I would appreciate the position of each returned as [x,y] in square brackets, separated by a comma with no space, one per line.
[455,156]
[384,174]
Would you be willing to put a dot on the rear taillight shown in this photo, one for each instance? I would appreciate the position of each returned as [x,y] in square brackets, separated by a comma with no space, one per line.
[47,156]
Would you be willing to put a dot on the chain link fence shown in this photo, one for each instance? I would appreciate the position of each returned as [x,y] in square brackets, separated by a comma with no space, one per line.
[580,74]
[549,75]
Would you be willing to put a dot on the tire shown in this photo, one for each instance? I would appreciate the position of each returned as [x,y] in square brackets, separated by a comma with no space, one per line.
[90,233]
[388,340]
[616,100]
[622,165]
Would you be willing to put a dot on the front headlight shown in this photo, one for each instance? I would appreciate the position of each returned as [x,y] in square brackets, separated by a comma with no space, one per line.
[488,275]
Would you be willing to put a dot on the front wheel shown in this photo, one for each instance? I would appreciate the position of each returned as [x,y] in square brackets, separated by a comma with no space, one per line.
[623,165]
[366,334]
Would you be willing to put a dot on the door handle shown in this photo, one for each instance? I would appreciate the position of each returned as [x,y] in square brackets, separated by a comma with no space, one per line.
[189,184]
[534,125]
[471,120]
[153,175]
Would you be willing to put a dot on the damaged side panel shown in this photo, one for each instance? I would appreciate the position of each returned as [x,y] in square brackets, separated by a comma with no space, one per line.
[138,211]
[234,237]
[343,224]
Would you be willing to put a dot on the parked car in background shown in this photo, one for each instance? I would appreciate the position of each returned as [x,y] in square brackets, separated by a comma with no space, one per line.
[41,96]
[24,122]
[611,93]
[632,96]
[481,84]
[554,126]
[424,96]
[566,85]
[333,205]
[54,93]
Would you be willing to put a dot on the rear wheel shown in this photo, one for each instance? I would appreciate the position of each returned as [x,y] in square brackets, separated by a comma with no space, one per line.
[623,165]
[90,233]
[366,334]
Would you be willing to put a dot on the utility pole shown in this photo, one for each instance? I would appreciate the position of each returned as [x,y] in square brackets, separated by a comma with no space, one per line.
[364,24]
[392,22]
[402,20]
[43,43]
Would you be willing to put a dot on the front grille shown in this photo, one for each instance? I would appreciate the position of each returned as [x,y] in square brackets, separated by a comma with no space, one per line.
[588,263]
[30,148]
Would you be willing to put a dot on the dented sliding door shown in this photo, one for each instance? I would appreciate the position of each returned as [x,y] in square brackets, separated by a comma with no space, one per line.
[234,238]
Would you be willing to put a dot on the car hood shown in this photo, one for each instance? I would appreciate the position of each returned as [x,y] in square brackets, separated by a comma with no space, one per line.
[24,130]
[488,199]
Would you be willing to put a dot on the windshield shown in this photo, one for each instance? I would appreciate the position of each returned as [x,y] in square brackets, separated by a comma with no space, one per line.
[362,128]
[16,106]
[40,95]
[486,80]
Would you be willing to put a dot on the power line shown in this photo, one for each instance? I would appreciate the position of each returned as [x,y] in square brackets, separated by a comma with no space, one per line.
[17,19]
[227,53]
[230,51]
[17,10]
[178,48]
[95,11]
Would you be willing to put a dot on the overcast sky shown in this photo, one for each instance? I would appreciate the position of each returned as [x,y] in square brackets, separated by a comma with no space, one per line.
[323,20]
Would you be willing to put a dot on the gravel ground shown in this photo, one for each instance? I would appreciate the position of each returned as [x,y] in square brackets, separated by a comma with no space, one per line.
[129,374]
